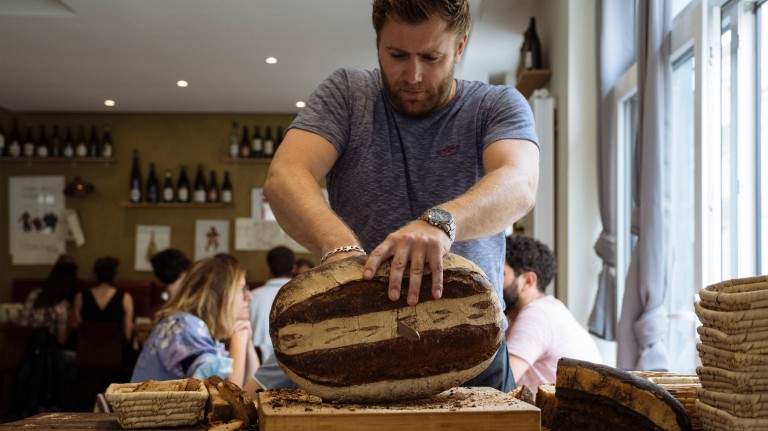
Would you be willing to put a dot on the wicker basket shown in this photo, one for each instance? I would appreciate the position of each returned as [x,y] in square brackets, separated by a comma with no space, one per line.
[728,321]
[737,285]
[713,418]
[731,337]
[738,382]
[740,405]
[681,386]
[734,361]
[734,301]
[156,409]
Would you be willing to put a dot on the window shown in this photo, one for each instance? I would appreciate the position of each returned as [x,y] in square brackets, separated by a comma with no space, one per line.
[762,114]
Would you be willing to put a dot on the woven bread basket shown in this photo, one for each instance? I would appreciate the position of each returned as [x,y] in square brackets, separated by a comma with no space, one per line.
[734,301]
[741,405]
[729,320]
[738,285]
[156,409]
[741,382]
[681,386]
[716,419]
[734,361]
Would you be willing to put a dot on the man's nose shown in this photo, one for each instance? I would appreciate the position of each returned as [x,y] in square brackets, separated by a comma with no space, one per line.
[413,71]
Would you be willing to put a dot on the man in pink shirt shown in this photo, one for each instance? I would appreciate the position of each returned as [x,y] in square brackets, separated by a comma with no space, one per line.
[541,329]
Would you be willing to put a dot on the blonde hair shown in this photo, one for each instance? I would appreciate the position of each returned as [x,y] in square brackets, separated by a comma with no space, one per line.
[209,291]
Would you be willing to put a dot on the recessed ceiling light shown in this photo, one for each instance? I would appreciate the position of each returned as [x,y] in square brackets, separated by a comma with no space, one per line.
[182,83]
[300,104]
[271,60]
[109,102]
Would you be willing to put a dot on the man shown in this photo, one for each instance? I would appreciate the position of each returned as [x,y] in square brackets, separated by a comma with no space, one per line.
[170,266]
[541,330]
[417,163]
[280,261]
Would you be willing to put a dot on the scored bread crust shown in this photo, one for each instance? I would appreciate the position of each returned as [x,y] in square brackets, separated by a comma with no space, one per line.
[335,334]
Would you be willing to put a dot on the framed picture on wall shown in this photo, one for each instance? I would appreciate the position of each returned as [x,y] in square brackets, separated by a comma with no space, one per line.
[211,237]
[150,240]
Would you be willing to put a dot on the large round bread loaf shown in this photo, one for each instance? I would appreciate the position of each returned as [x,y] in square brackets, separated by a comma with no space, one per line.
[335,334]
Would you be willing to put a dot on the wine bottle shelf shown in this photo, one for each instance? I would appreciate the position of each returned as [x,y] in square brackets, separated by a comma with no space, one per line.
[156,205]
[73,160]
[255,160]
[530,80]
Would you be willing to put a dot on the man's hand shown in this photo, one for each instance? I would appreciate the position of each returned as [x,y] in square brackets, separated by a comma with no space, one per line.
[419,244]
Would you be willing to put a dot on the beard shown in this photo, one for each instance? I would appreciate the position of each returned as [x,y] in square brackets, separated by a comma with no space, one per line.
[511,296]
[430,100]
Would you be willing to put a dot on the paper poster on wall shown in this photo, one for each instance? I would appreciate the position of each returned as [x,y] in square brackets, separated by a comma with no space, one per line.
[150,240]
[35,206]
[211,237]
[262,235]
[260,209]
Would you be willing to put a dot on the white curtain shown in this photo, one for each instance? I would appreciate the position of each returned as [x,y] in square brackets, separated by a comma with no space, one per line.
[643,323]
[615,42]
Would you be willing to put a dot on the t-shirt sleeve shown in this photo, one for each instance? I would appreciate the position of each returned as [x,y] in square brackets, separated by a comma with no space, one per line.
[327,112]
[509,117]
[529,335]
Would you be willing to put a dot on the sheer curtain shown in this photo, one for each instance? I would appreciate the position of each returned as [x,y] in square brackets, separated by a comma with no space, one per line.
[643,321]
[615,41]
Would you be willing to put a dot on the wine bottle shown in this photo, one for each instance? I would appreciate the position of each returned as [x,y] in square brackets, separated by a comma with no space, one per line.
[182,186]
[3,149]
[55,143]
[226,189]
[213,189]
[94,149]
[81,150]
[245,144]
[279,138]
[69,146]
[41,150]
[532,59]
[153,186]
[234,143]
[14,146]
[257,145]
[136,188]
[168,190]
[201,191]
[29,143]
[107,147]
[269,144]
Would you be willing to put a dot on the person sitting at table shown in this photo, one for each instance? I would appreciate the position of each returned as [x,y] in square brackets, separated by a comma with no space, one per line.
[211,306]
[45,378]
[302,265]
[280,261]
[170,266]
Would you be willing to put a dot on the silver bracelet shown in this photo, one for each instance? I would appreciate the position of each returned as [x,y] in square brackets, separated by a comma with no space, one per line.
[344,249]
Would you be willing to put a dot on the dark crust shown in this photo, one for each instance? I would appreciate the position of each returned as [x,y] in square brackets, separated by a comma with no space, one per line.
[398,358]
[578,410]
[367,296]
[681,414]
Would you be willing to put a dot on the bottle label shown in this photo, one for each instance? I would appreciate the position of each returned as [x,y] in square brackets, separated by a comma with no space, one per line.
[234,150]
[256,145]
[29,149]
[81,151]
[107,150]
[183,194]
[226,196]
[269,148]
[168,195]
[42,151]
[135,195]
[199,196]
[14,149]
[68,152]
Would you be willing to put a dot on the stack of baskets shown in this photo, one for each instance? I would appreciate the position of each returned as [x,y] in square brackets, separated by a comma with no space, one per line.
[734,354]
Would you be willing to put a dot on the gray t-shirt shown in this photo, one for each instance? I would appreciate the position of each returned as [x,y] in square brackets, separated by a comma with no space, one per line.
[392,167]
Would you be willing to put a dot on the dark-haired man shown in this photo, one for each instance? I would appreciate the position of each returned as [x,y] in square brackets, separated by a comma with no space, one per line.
[170,266]
[541,329]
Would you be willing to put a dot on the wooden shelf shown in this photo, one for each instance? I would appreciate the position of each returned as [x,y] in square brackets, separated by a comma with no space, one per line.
[249,160]
[162,205]
[530,80]
[73,160]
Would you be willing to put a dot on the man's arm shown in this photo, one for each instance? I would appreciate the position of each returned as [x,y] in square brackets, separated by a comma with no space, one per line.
[294,195]
[504,195]
[519,367]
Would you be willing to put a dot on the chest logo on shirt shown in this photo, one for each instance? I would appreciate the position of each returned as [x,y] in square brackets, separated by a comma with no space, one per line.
[449,151]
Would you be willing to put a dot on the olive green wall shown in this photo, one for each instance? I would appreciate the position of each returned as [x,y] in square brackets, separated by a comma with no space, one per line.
[167,140]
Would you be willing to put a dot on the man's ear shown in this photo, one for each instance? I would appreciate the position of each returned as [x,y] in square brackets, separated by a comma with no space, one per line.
[530,280]
[460,48]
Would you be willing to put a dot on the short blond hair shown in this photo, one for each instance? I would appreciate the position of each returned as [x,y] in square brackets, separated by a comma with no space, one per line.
[208,291]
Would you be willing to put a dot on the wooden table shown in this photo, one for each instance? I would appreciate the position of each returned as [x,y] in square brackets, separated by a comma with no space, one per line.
[65,421]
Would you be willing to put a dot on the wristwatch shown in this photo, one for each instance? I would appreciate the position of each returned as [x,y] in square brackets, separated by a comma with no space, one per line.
[442,219]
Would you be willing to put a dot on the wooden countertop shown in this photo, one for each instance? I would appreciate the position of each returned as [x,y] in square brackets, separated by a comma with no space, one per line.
[64,421]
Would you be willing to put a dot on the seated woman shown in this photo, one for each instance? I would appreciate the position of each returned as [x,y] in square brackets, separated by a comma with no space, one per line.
[104,302]
[210,306]
[49,306]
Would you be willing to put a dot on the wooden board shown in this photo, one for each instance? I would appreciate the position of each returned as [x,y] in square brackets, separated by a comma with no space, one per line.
[455,409]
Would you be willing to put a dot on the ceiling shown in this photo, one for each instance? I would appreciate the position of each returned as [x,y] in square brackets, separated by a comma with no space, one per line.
[71,55]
